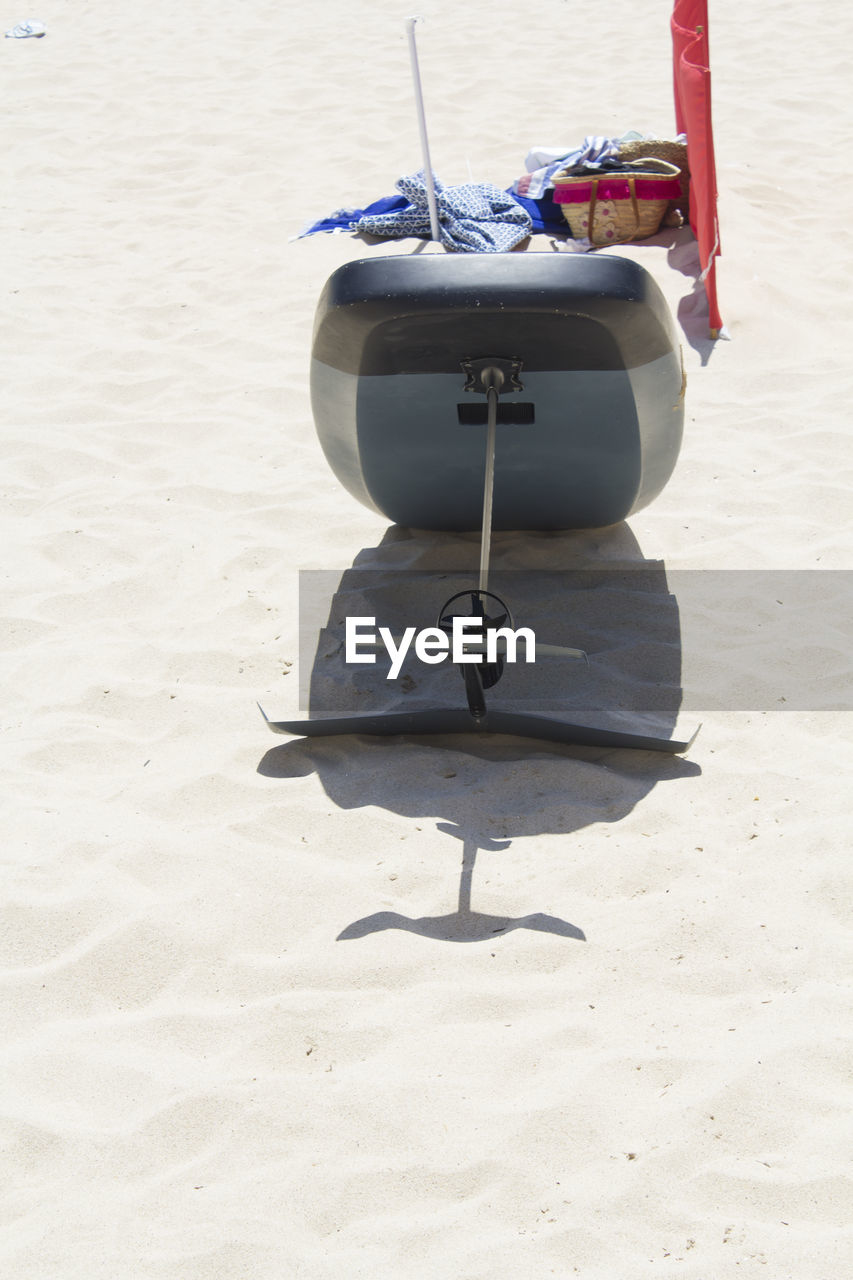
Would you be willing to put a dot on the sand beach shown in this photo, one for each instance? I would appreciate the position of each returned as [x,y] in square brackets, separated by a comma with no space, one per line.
[413,1008]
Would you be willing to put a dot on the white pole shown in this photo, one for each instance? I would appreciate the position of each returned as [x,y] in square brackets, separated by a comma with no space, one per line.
[419,103]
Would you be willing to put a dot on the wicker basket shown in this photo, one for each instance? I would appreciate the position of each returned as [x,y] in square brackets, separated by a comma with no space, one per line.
[617,207]
[663,149]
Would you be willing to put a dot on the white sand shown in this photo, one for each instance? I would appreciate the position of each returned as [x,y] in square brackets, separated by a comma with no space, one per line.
[241,1040]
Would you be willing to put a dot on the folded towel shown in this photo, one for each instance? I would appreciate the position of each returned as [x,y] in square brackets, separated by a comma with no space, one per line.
[543,162]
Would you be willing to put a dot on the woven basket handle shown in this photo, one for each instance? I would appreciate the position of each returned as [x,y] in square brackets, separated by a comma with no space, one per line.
[593,200]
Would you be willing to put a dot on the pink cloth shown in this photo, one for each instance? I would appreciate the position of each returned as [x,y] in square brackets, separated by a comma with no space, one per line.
[617,188]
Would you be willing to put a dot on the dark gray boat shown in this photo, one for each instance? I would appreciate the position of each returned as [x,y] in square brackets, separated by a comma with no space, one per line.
[590,415]
[511,391]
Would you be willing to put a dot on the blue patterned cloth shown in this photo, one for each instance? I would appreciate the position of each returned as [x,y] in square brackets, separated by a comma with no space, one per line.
[474,218]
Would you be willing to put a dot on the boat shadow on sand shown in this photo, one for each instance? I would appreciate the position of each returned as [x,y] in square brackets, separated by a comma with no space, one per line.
[590,590]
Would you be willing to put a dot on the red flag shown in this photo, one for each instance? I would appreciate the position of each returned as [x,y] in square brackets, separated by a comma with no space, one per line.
[692,85]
